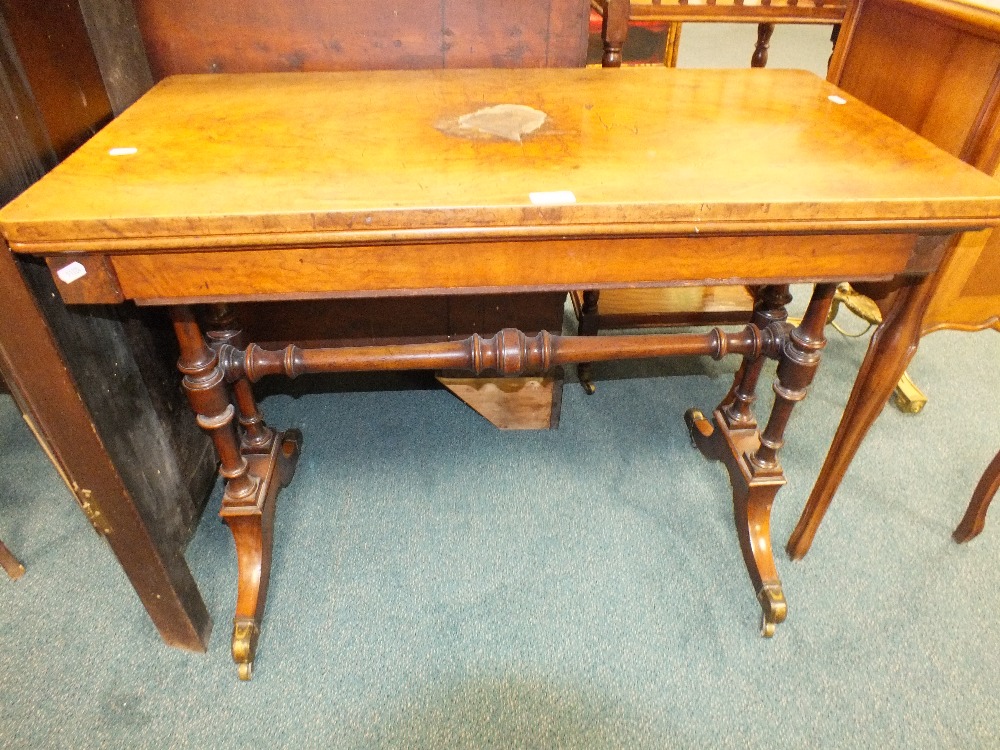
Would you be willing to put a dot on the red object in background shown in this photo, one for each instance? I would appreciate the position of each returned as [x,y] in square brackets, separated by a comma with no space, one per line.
[647,40]
[596,22]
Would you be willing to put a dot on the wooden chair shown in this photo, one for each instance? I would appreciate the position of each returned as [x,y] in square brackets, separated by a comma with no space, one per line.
[765,13]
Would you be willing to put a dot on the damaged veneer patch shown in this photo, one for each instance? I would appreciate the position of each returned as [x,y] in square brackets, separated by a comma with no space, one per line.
[510,122]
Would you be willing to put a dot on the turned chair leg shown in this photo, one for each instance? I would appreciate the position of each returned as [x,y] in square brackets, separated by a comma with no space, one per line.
[975,515]
[764,32]
[614,30]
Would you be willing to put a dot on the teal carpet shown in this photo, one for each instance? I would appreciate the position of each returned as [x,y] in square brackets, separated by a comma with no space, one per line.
[441,584]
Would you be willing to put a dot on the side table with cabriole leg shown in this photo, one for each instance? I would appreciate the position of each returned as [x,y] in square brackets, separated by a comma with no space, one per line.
[975,515]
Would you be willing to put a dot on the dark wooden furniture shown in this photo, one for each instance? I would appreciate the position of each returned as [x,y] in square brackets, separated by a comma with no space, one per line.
[616,15]
[218,189]
[974,520]
[65,69]
[934,66]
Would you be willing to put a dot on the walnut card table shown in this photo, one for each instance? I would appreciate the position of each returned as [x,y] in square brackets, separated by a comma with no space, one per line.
[226,188]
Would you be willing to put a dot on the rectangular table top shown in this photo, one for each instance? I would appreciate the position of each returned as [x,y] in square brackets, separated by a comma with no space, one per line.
[304,159]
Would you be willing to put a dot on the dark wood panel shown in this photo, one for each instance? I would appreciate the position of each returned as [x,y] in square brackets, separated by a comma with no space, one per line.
[58,64]
[413,319]
[205,36]
[33,365]
[118,48]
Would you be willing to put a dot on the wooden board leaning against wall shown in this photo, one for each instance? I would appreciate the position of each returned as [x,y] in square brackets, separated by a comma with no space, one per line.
[63,75]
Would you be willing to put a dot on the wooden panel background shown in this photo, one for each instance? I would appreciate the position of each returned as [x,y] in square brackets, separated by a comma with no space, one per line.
[210,36]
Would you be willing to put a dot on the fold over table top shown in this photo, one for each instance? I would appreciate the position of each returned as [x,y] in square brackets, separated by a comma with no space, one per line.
[339,158]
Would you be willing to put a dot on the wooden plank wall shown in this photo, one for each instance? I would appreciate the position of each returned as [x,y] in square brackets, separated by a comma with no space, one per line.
[211,36]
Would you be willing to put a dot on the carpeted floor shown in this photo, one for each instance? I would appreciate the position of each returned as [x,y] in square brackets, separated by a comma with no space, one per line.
[440,584]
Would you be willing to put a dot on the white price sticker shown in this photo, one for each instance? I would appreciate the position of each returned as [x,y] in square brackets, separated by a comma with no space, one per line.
[553,198]
[72,272]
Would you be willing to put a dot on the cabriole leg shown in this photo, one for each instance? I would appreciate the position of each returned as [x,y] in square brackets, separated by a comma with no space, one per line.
[975,515]
[890,350]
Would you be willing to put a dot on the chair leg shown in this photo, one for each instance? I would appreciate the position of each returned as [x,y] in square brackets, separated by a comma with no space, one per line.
[975,515]
[614,30]
[673,45]
[764,31]
[587,326]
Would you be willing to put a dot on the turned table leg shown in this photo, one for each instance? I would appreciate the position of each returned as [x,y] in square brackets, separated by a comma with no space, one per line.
[253,479]
[256,436]
[614,30]
[751,457]
[975,515]
[891,348]
[769,307]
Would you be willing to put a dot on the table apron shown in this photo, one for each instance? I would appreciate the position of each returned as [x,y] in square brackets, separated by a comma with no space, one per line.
[279,273]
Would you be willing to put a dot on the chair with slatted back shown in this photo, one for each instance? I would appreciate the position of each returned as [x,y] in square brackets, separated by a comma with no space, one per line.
[765,13]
